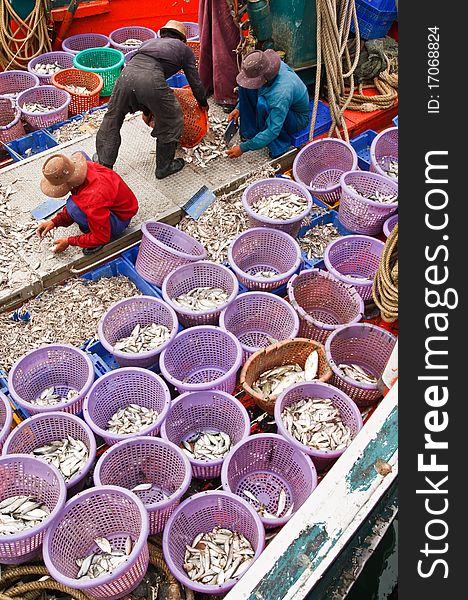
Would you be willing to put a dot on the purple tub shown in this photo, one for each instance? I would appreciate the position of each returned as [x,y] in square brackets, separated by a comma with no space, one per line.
[118,36]
[47,95]
[64,59]
[350,416]
[83,41]
[118,389]
[106,511]
[11,126]
[13,83]
[207,411]
[389,225]
[202,358]
[201,513]
[147,459]
[265,464]
[383,150]
[56,365]
[6,419]
[22,475]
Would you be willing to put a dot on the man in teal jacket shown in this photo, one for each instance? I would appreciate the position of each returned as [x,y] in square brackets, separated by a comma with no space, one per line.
[273,104]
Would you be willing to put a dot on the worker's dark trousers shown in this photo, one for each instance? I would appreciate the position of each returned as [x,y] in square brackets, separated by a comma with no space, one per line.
[117,225]
[139,87]
[254,112]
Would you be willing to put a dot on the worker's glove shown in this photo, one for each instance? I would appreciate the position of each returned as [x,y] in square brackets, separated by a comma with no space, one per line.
[60,245]
[234,115]
[234,152]
[44,228]
[203,108]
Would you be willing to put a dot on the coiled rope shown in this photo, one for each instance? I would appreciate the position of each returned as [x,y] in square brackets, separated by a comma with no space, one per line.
[30,39]
[385,286]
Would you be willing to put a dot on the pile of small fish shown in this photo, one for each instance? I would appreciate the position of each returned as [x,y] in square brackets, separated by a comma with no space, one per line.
[262,274]
[78,89]
[51,397]
[316,239]
[104,562]
[217,556]
[377,196]
[207,446]
[357,373]
[262,508]
[150,493]
[18,513]
[48,68]
[280,206]
[212,146]
[391,168]
[202,298]
[132,42]
[68,455]
[131,419]
[315,422]
[36,107]
[143,338]
[274,381]
[74,129]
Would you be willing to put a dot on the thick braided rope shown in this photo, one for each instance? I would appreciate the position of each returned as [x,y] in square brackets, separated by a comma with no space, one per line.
[385,286]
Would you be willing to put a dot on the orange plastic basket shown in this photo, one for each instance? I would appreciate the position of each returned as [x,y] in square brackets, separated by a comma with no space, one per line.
[93,82]
[195,119]
[196,50]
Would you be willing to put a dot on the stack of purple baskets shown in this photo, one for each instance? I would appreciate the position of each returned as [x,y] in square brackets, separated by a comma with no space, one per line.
[83,41]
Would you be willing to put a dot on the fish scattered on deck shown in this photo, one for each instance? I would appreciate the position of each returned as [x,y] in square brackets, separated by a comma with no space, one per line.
[18,513]
[202,298]
[131,419]
[207,445]
[75,129]
[143,339]
[69,455]
[104,560]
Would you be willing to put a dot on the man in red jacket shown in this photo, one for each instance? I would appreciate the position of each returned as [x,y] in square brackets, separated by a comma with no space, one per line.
[101,203]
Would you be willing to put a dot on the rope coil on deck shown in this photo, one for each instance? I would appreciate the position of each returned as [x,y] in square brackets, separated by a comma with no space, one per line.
[385,286]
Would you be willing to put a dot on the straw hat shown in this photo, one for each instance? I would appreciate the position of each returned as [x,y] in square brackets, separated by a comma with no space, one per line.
[258,68]
[176,26]
[62,173]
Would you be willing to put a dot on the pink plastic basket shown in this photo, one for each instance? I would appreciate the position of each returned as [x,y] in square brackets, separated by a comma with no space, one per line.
[64,59]
[389,225]
[265,465]
[122,317]
[207,411]
[118,36]
[6,419]
[25,475]
[106,511]
[323,303]
[264,249]
[365,345]
[45,428]
[201,513]
[147,460]
[48,95]
[357,255]
[268,187]
[118,389]
[383,150]
[199,274]
[163,248]
[13,83]
[359,214]
[202,358]
[192,30]
[11,126]
[320,164]
[349,412]
[130,55]
[84,41]
[57,365]
[257,318]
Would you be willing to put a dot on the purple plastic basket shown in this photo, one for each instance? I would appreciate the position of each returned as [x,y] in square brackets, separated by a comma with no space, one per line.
[147,460]
[359,214]
[257,318]
[199,274]
[357,255]
[6,419]
[122,317]
[25,475]
[389,225]
[84,41]
[118,36]
[264,249]
[365,345]
[106,511]
[265,465]
[320,164]
[56,365]
[130,55]
[11,126]
[192,30]
[207,411]
[13,83]
[48,95]
[268,187]
[201,513]
[163,248]
[42,429]
[64,59]
[349,412]
[202,358]
[323,303]
[118,389]
[384,148]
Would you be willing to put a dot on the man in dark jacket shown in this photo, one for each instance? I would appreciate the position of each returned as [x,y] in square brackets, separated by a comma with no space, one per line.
[142,86]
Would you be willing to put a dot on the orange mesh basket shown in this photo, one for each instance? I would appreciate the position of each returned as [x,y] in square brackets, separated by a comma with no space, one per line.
[195,119]
[196,50]
[93,82]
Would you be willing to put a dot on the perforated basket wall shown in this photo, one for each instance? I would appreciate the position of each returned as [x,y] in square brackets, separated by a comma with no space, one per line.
[384,148]
[84,41]
[6,419]
[13,83]
[195,119]
[389,225]
[107,62]
[64,59]
[47,95]
[80,102]
[195,45]
[119,36]
[11,126]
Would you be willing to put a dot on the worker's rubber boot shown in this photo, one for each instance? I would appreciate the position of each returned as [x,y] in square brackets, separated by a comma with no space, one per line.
[96,160]
[88,251]
[166,164]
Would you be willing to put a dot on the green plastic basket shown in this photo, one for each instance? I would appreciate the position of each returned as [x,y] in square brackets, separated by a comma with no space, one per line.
[107,62]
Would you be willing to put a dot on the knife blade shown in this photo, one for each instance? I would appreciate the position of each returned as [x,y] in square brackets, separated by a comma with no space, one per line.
[231,131]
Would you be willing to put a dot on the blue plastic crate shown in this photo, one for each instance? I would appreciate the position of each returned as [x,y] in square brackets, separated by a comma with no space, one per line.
[375,17]
[331,217]
[177,81]
[395,121]
[362,143]
[322,124]
[36,142]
